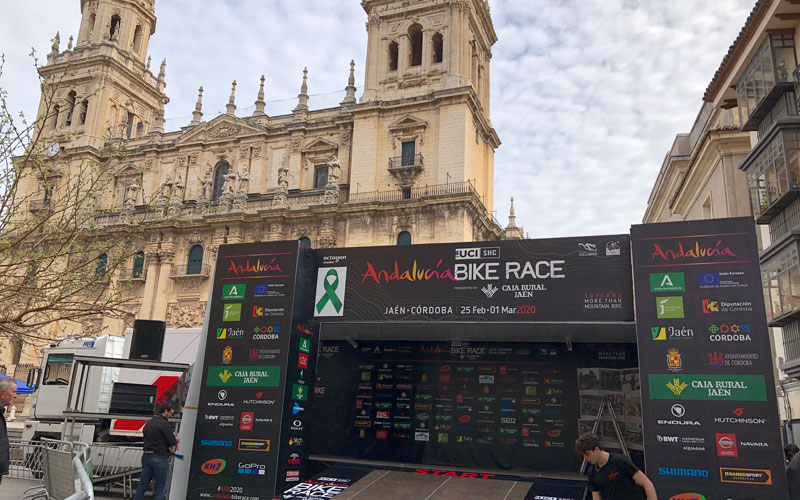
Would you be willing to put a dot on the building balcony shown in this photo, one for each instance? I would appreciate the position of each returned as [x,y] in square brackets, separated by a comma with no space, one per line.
[780,279]
[405,169]
[407,161]
[38,205]
[132,274]
[298,201]
[768,76]
[773,172]
[182,271]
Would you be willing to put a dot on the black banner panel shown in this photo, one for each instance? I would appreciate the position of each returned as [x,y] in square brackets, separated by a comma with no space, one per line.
[563,279]
[711,427]
[250,434]
[494,405]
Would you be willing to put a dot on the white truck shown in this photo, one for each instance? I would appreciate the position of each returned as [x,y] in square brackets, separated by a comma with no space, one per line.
[54,378]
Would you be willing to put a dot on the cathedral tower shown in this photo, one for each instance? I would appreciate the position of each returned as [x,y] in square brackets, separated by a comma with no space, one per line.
[102,87]
[423,119]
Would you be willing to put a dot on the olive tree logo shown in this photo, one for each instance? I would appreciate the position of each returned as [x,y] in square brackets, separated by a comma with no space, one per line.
[329,299]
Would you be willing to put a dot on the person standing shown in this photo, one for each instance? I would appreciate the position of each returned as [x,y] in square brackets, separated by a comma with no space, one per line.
[8,393]
[613,476]
[158,439]
[793,471]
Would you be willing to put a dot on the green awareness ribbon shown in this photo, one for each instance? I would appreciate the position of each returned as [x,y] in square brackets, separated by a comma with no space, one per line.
[330,292]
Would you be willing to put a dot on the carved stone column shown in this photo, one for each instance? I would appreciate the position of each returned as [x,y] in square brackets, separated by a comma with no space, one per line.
[161,297]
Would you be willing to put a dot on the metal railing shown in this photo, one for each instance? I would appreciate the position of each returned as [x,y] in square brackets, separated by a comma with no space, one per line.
[80,463]
[57,464]
[453,188]
[38,205]
[190,271]
[27,459]
[301,200]
[406,161]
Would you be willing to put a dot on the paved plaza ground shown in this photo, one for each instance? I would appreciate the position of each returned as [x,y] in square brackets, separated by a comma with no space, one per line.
[14,489]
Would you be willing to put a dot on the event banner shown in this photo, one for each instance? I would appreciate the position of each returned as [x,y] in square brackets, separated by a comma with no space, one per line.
[250,437]
[710,417]
[563,279]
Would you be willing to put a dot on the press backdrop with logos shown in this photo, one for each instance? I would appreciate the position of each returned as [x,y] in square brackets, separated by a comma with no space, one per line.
[463,354]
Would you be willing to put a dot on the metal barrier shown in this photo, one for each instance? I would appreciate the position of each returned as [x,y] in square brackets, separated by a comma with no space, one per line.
[57,464]
[27,459]
[117,465]
[80,463]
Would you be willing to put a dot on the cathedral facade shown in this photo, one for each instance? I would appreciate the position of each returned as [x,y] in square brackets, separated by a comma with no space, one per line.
[421,127]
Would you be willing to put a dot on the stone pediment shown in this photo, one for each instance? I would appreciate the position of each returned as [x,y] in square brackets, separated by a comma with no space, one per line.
[319,145]
[408,123]
[127,171]
[222,127]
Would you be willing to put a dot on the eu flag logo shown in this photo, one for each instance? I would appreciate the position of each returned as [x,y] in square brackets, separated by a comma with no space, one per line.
[709,279]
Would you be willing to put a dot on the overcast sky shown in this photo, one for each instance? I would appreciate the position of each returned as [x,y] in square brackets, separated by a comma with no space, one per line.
[587,95]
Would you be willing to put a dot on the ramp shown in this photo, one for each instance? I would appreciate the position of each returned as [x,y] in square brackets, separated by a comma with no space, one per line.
[398,483]
[393,485]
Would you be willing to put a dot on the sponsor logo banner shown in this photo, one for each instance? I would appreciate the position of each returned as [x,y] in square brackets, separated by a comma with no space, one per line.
[213,466]
[233,291]
[745,476]
[254,445]
[708,387]
[241,376]
[667,282]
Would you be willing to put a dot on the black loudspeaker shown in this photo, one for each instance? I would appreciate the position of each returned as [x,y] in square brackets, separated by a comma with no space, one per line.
[147,340]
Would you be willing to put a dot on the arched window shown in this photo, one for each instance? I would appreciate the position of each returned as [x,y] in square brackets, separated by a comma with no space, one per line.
[48,195]
[92,19]
[415,39]
[56,112]
[219,179]
[115,22]
[70,107]
[195,263]
[306,241]
[393,52]
[84,110]
[129,124]
[139,129]
[30,275]
[137,39]
[403,238]
[438,48]
[138,265]
[102,265]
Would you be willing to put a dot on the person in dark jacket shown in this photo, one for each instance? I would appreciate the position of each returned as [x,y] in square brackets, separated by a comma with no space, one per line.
[158,439]
[8,393]
[793,473]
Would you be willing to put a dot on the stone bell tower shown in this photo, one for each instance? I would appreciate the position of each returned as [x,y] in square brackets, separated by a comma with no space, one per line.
[101,87]
[418,47]
[423,119]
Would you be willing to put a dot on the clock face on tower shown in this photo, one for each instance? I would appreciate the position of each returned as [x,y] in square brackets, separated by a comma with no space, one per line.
[52,150]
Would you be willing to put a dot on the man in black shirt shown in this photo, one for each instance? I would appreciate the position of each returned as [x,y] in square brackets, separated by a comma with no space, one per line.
[158,439]
[613,476]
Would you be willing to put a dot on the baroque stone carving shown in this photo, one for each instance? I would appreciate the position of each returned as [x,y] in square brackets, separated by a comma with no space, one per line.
[344,136]
[224,131]
[185,314]
[191,285]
